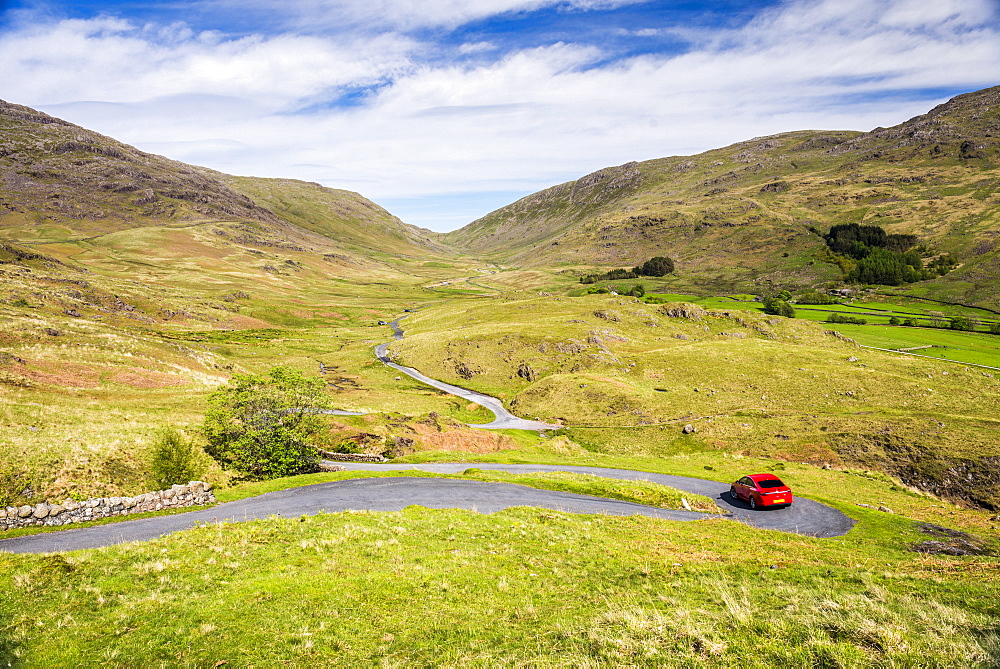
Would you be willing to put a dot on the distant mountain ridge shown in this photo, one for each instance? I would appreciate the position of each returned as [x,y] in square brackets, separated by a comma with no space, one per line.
[741,215]
[60,180]
[94,229]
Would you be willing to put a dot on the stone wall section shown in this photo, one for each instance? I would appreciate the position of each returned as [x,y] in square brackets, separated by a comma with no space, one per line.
[352,457]
[195,493]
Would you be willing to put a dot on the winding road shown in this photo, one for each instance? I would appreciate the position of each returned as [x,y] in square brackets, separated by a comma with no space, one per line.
[396,493]
[804,517]
[503,419]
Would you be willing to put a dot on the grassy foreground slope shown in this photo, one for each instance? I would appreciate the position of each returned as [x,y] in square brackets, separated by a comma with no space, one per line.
[625,377]
[523,587]
[740,216]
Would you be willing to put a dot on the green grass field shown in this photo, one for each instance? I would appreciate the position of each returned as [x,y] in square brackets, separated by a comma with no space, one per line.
[978,347]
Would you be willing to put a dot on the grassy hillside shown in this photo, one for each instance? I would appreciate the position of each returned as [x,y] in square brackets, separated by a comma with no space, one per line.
[625,377]
[355,223]
[132,285]
[739,218]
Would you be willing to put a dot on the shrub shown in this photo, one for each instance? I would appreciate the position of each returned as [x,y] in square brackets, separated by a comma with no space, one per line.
[347,446]
[778,305]
[174,460]
[263,426]
[895,321]
[995,328]
[960,323]
[638,290]
[910,322]
[840,318]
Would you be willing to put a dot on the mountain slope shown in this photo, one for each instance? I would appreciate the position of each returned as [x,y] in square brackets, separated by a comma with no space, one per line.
[60,182]
[745,213]
[171,240]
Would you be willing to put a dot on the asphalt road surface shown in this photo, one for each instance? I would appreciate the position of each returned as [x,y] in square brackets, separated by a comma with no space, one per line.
[504,420]
[394,494]
[803,517]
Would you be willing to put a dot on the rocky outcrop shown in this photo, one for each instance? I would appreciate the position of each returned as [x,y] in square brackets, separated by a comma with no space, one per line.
[683,310]
[195,493]
[526,372]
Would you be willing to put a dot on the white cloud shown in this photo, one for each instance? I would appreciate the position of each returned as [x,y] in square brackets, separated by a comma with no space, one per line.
[477,47]
[116,61]
[511,122]
[402,14]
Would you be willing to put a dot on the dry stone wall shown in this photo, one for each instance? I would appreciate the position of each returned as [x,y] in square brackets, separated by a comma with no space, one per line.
[195,493]
[352,457]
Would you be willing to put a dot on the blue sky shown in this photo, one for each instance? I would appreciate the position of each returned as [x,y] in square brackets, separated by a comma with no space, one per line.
[442,110]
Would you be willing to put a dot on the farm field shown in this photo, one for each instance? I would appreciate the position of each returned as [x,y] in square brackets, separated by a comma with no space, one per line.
[979,347]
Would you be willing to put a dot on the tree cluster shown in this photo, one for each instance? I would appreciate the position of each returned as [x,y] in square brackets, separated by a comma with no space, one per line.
[868,254]
[658,266]
[840,318]
[816,297]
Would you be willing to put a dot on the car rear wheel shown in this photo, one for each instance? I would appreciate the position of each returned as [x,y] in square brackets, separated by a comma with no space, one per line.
[753,502]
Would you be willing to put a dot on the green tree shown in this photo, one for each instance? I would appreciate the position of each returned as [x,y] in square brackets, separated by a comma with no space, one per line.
[895,321]
[779,307]
[263,426]
[174,460]
[995,328]
[840,318]
[960,323]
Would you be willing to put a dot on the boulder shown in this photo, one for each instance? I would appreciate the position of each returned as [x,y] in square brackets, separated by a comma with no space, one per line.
[683,310]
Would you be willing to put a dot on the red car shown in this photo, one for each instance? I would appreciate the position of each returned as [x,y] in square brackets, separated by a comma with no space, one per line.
[761,490]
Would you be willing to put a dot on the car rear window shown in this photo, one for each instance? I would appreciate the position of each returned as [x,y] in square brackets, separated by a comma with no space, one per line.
[771,483]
